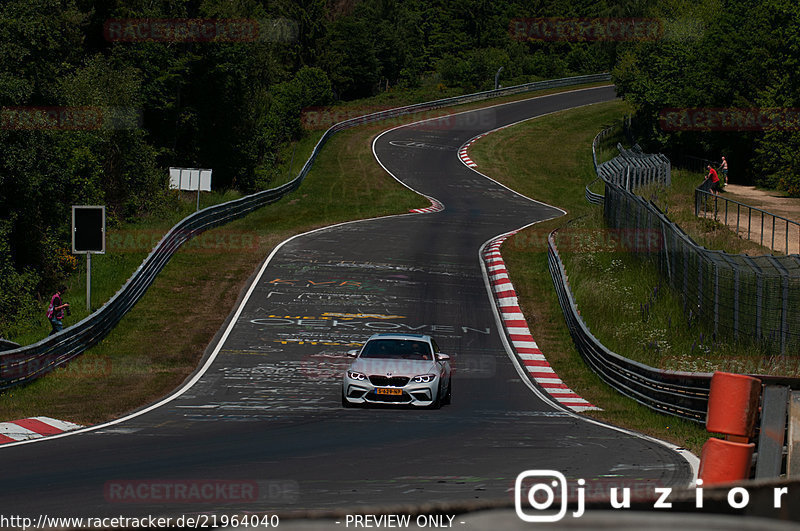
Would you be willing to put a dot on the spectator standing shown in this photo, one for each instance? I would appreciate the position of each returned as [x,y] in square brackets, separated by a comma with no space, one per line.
[712,174]
[55,312]
[724,169]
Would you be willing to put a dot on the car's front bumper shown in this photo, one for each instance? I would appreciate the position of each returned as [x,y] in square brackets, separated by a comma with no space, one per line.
[413,394]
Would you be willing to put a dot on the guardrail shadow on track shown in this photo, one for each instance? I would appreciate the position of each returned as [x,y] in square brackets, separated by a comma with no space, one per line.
[27,363]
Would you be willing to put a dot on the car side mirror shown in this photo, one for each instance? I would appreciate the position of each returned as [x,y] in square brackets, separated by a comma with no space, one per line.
[442,357]
[352,353]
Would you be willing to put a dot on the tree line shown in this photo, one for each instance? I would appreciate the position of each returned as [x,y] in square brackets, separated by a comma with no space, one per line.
[723,80]
[97,101]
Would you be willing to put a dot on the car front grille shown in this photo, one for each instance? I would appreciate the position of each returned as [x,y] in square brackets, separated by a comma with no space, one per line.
[388,381]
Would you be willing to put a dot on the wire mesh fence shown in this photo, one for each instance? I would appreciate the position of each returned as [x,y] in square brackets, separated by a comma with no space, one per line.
[737,295]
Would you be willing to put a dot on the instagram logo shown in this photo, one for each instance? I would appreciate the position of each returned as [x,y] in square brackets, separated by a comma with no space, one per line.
[535,492]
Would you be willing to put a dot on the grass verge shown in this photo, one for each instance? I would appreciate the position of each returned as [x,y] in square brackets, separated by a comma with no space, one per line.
[129,243]
[630,308]
[549,159]
[160,342]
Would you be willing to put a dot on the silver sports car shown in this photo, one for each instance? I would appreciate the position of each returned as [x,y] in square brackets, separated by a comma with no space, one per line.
[398,369]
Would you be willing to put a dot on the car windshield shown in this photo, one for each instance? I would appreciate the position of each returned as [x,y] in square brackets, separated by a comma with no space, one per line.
[397,349]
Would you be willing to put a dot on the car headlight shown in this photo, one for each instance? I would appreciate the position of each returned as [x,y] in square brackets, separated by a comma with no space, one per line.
[353,375]
[424,378]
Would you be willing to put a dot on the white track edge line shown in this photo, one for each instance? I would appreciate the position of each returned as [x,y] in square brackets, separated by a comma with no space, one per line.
[498,322]
[689,457]
[693,460]
[204,368]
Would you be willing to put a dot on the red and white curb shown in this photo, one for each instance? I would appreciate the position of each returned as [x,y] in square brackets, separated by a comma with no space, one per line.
[519,334]
[33,428]
[463,153]
[436,206]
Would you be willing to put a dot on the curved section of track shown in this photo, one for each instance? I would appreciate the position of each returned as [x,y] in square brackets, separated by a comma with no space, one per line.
[266,411]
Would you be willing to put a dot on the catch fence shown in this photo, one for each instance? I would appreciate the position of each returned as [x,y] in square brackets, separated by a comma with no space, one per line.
[737,295]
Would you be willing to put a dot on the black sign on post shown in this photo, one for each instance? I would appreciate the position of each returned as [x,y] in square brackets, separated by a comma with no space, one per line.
[88,237]
[88,229]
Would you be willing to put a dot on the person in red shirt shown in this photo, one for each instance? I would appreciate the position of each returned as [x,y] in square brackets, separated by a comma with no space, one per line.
[712,174]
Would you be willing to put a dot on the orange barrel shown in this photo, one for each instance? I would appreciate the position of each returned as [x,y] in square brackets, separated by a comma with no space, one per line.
[725,461]
[733,404]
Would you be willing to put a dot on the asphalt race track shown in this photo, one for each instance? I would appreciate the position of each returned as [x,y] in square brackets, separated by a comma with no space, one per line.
[264,424]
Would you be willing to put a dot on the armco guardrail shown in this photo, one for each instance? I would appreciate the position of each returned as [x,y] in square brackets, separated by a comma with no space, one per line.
[681,394]
[592,197]
[740,296]
[28,363]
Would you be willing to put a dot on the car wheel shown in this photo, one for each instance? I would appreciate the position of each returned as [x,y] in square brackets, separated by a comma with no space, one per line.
[449,396]
[438,402]
[345,402]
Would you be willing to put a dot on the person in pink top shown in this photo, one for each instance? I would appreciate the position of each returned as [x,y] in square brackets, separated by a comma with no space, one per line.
[55,313]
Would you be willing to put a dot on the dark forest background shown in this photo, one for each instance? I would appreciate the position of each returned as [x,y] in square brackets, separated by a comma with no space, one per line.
[235,106]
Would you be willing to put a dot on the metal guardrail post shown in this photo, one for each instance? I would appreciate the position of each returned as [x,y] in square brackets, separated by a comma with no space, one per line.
[685,290]
[736,274]
[784,299]
[759,296]
[793,437]
[773,430]
[716,298]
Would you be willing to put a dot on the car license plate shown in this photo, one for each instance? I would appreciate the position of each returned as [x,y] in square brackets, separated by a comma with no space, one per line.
[388,391]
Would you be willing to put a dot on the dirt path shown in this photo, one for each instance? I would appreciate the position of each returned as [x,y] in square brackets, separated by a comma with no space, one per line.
[769,200]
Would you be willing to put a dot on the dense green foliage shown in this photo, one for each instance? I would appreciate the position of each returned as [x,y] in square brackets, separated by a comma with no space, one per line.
[719,54]
[226,104]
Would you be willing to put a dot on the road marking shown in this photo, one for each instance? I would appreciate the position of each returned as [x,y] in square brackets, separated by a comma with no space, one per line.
[33,428]
[463,153]
[520,336]
[436,206]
